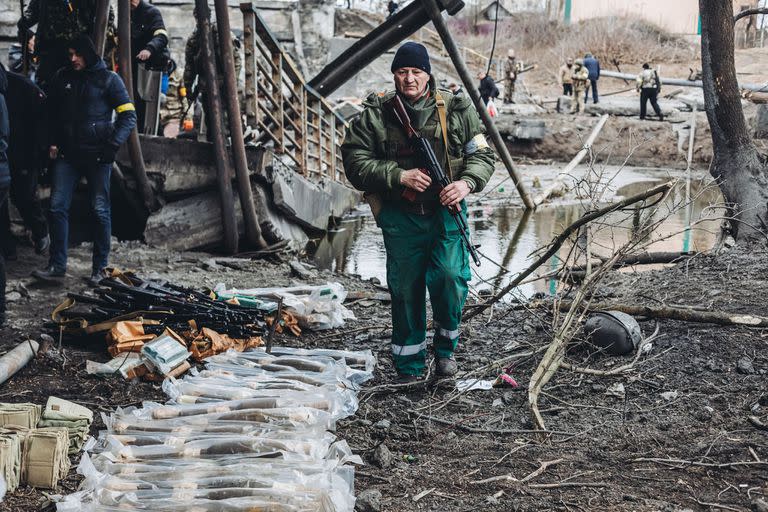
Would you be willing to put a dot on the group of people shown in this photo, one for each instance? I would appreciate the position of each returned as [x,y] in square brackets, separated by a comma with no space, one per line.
[577,78]
[63,109]
[580,75]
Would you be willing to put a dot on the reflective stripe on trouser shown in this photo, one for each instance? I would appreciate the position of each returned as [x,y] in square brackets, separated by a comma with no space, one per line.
[423,252]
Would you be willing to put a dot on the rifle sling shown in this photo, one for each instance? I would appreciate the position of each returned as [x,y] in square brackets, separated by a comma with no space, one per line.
[441,113]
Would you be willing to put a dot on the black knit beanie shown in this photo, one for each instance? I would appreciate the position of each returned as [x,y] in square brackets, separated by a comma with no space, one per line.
[412,55]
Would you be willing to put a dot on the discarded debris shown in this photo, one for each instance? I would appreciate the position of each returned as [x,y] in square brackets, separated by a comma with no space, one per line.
[316,307]
[16,359]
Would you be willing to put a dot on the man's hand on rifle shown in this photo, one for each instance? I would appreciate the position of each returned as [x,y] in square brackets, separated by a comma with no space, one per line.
[454,193]
[415,179]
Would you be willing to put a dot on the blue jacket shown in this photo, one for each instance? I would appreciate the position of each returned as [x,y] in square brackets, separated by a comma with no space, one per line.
[593,66]
[5,134]
[81,104]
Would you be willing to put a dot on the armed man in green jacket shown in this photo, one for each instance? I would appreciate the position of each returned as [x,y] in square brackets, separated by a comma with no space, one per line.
[424,246]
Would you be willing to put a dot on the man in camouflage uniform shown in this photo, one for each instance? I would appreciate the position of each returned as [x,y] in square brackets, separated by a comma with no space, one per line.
[580,78]
[424,247]
[193,68]
[172,107]
[58,22]
[510,77]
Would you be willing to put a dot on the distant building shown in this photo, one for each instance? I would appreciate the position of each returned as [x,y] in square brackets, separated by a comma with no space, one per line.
[495,10]
[677,17]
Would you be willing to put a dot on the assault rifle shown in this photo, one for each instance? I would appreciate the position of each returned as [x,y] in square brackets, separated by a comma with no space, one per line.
[433,168]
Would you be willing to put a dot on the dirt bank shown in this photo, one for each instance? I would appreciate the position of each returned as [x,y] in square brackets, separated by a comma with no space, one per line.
[689,399]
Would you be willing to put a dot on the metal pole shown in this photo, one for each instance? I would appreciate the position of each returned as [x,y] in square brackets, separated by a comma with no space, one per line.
[403,24]
[100,26]
[450,45]
[126,72]
[251,219]
[213,111]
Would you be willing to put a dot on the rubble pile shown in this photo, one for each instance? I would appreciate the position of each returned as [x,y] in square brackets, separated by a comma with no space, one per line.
[251,431]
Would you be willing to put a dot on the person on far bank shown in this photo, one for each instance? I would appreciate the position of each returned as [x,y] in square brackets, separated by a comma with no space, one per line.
[579,77]
[83,141]
[488,89]
[424,247]
[566,70]
[511,68]
[649,86]
[593,66]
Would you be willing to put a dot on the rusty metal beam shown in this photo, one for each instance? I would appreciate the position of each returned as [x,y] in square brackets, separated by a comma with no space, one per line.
[213,111]
[384,37]
[244,190]
[125,59]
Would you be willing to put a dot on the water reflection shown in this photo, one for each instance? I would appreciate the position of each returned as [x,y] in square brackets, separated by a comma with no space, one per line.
[508,235]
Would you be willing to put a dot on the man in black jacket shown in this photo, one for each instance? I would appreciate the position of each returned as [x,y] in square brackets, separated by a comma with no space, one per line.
[58,21]
[84,140]
[149,41]
[26,112]
[488,89]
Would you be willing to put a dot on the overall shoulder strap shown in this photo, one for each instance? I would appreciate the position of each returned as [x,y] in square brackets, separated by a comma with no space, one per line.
[441,113]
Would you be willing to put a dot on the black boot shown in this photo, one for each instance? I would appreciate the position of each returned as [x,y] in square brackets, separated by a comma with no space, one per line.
[50,274]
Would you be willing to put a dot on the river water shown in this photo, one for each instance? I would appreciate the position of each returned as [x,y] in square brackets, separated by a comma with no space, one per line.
[508,236]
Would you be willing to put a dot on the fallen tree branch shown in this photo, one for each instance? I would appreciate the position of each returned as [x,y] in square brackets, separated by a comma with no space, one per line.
[568,484]
[556,243]
[472,430]
[511,478]
[644,258]
[683,314]
[677,462]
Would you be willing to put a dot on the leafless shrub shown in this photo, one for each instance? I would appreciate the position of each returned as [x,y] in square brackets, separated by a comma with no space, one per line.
[547,42]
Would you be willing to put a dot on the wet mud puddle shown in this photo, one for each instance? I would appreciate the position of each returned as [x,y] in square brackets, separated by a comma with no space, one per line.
[508,235]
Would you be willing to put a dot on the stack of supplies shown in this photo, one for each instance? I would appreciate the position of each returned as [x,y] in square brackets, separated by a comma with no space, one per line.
[20,415]
[10,458]
[45,459]
[76,419]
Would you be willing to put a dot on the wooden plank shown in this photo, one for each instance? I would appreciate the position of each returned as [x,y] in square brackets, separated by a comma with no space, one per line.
[558,186]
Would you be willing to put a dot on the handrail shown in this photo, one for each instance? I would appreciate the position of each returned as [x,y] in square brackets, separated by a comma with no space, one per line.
[280,105]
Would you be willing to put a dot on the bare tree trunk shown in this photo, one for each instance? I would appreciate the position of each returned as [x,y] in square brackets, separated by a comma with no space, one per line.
[741,171]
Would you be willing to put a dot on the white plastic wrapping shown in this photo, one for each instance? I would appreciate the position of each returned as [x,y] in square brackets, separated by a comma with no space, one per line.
[248,433]
[316,307]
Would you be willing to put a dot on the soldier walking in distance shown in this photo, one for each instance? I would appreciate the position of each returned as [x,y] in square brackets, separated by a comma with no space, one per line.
[649,85]
[424,247]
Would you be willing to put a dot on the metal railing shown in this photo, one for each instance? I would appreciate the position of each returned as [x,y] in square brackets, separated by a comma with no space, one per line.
[284,109]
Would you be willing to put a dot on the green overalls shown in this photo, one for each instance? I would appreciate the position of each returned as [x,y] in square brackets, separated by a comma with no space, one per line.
[424,252]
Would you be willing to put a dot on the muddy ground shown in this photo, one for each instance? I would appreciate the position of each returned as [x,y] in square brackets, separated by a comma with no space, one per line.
[678,439]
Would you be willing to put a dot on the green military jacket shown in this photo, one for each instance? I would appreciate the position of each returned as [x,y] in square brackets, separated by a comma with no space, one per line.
[373,146]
